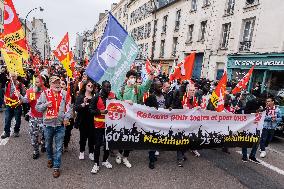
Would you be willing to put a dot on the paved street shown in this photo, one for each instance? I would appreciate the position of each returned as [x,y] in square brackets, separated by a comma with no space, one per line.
[214,169]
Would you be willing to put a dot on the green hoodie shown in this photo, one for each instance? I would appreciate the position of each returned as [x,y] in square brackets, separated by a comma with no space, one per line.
[129,92]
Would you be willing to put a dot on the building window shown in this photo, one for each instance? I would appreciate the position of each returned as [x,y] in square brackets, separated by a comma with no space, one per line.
[248,28]
[145,50]
[155,27]
[175,41]
[206,3]
[177,20]
[190,33]
[149,30]
[225,35]
[153,47]
[252,2]
[193,5]
[230,7]
[165,19]
[202,30]
[119,13]
[125,10]
[162,52]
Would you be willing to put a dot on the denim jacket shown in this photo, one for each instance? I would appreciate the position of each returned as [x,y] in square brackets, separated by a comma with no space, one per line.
[268,123]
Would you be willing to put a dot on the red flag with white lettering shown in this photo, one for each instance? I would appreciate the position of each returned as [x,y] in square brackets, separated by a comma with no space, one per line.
[242,85]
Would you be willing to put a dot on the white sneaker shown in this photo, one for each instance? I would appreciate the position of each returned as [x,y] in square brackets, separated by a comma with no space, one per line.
[118,159]
[157,153]
[126,162]
[92,156]
[95,169]
[262,154]
[82,156]
[107,164]
[196,153]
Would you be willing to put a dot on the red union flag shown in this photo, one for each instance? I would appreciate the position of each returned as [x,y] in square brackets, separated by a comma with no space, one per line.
[63,54]
[187,66]
[242,85]
[184,69]
[14,36]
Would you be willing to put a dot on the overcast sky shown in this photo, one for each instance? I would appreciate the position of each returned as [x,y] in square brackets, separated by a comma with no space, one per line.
[63,16]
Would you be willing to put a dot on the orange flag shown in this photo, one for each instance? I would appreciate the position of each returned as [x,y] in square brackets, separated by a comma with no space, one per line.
[63,54]
[217,97]
[242,85]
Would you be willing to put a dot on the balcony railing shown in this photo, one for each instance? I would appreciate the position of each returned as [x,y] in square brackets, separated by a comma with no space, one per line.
[245,46]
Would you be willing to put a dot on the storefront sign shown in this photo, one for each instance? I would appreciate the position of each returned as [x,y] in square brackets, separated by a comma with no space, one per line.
[258,63]
[261,61]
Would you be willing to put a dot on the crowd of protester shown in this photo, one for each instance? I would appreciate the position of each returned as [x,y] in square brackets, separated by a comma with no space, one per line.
[54,104]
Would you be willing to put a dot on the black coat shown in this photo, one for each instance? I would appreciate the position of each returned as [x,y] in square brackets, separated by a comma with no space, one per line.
[84,117]
[151,101]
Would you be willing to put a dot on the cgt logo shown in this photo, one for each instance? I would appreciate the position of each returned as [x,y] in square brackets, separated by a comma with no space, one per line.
[116,111]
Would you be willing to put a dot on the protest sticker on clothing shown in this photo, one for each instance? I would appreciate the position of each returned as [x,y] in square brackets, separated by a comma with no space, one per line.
[141,127]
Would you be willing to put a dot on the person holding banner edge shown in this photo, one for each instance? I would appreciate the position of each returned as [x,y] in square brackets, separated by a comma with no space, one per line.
[272,119]
[131,93]
[158,99]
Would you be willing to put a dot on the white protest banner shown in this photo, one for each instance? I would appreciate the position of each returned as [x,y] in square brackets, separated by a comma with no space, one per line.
[141,127]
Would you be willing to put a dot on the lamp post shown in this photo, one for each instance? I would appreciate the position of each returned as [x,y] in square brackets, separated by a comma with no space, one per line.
[40,8]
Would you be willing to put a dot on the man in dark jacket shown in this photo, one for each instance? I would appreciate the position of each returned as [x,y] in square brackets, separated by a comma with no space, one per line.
[253,105]
[156,100]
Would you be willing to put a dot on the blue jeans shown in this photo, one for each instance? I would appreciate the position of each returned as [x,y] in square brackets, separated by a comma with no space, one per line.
[9,114]
[252,152]
[58,134]
[266,137]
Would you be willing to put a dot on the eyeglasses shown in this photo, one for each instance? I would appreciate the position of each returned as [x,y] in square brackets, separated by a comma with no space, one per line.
[91,86]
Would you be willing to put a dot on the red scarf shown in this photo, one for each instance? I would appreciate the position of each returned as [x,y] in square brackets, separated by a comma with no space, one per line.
[271,111]
[52,112]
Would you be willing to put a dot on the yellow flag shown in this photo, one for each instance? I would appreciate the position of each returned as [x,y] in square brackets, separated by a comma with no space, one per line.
[14,63]
[66,64]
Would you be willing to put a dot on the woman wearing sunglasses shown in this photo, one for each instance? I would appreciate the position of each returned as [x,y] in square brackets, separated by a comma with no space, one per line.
[84,119]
